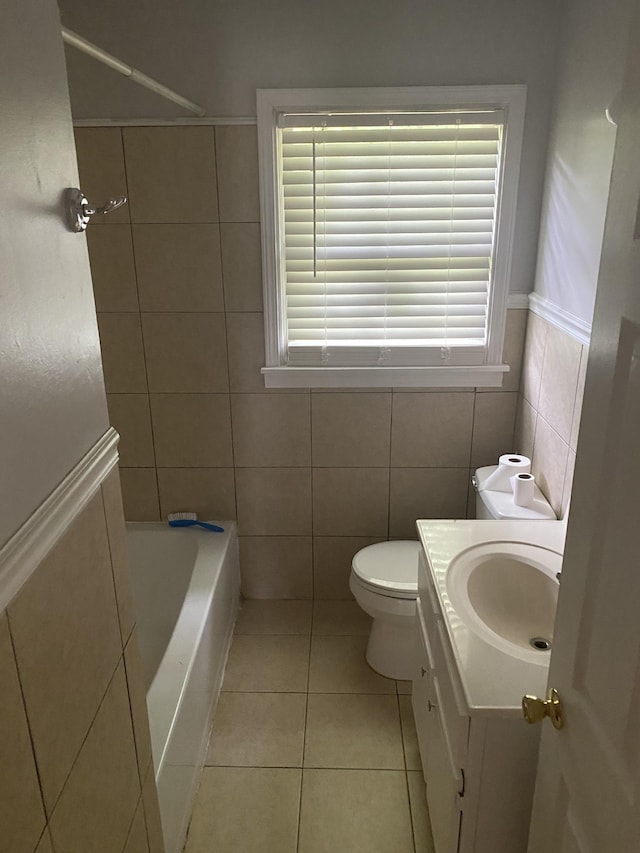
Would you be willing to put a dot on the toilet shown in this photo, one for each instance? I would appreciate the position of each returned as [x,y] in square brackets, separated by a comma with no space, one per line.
[384,580]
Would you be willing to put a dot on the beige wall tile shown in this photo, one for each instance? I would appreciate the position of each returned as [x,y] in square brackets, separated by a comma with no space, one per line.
[425,493]
[122,353]
[171,174]
[267,664]
[138,700]
[274,501]
[258,730]
[533,358]
[245,336]
[515,332]
[559,382]
[494,420]
[274,617]
[336,737]
[577,409]
[114,516]
[186,353]
[276,566]
[526,417]
[332,556]
[549,463]
[568,483]
[227,795]
[101,167]
[21,809]
[66,634]
[237,154]
[351,430]
[419,812]
[338,665]
[97,805]
[355,810]
[140,494]
[130,415]
[340,619]
[137,840]
[192,430]
[432,430]
[242,263]
[210,492]
[179,267]
[113,271]
[152,814]
[44,845]
[271,429]
[350,501]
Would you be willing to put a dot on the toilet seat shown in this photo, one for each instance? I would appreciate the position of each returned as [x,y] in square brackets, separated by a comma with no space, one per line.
[389,568]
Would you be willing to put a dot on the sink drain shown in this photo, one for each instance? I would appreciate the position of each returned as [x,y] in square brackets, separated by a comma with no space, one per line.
[540,644]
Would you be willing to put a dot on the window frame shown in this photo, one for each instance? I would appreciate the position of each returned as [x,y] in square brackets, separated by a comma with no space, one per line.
[271,103]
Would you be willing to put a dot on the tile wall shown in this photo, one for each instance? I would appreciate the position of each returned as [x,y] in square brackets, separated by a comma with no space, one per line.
[75,755]
[310,476]
[549,406]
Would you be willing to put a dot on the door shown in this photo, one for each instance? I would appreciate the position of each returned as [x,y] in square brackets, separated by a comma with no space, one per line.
[588,785]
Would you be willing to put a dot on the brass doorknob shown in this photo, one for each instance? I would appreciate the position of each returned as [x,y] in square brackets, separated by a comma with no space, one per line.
[535,709]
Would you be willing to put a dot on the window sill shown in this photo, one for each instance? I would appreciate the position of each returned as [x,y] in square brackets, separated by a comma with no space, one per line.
[484,376]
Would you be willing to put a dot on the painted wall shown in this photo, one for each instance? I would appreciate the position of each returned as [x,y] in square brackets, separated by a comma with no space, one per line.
[53,403]
[311,476]
[219,53]
[580,154]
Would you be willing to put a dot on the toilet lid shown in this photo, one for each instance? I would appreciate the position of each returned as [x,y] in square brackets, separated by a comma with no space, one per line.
[389,566]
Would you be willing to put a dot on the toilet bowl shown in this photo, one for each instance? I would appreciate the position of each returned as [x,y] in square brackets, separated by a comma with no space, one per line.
[384,582]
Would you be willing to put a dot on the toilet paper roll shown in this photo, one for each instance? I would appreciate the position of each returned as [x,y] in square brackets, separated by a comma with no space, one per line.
[508,465]
[523,489]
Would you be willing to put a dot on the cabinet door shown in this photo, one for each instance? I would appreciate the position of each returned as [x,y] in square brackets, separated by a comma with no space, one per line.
[444,779]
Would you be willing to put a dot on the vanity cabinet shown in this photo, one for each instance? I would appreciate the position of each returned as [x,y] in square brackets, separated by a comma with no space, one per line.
[479,764]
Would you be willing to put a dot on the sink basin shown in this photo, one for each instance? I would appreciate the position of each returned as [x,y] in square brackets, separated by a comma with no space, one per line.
[507,592]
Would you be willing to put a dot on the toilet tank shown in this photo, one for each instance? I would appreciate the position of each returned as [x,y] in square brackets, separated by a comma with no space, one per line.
[500,505]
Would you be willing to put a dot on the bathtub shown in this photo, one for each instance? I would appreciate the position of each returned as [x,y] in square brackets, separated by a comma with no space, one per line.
[186,592]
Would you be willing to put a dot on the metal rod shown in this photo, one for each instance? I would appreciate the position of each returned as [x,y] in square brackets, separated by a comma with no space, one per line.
[116,64]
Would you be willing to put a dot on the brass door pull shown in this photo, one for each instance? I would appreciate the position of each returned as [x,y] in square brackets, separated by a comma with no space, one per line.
[535,709]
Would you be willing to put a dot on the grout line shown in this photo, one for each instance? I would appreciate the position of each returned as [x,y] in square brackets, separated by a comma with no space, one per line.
[304,731]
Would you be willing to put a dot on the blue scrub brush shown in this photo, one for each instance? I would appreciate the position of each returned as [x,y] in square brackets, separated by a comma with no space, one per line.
[190,519]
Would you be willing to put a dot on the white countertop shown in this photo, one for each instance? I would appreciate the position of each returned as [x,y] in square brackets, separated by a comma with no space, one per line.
[493,681]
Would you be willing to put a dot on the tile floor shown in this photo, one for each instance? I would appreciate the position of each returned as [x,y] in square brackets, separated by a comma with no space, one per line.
[311,751]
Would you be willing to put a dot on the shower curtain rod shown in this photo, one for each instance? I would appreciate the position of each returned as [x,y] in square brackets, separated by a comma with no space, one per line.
[111,61]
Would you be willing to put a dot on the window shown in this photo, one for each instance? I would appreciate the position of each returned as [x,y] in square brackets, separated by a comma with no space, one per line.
[387,219]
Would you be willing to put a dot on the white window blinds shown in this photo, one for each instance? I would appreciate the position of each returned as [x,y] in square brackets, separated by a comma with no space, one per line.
[387,227]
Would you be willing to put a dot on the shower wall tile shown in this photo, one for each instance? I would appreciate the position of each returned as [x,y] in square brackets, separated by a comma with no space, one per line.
[122,353]
[101,167]
[171,172]
[112,268]
[350,501]
[276,566]
[432,430]
[140,494]
[271,430]
[351,430]
[493,427]
[179,267]
[138,695]
[130,415]
[274,501]
[186,353]
[210,492]
[425,493]
[66,634]
[114,516]
[245,338]
[237,153]
[332,556]
[242,262]
[192,430]
[22,816]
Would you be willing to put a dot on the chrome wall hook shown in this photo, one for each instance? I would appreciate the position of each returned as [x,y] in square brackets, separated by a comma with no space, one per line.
[79,211]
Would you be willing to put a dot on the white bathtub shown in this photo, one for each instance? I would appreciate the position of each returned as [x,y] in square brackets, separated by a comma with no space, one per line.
[186,591]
